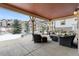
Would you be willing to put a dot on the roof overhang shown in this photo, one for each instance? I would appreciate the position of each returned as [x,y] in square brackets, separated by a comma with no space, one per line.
[47,11]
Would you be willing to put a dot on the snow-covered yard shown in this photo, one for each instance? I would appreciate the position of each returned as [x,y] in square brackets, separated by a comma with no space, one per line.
[9,36]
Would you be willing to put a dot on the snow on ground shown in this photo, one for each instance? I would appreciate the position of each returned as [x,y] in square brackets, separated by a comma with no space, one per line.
[9,37]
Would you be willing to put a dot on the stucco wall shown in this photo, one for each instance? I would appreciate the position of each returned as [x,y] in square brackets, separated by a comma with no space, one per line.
[68,23]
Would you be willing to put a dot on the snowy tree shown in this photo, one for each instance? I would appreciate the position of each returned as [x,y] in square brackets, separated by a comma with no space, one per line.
[16,27]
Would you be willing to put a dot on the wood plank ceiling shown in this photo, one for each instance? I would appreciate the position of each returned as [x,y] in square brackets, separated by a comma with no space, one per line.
[45,10]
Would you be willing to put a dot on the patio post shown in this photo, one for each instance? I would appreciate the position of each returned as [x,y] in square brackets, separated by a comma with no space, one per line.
[32,19]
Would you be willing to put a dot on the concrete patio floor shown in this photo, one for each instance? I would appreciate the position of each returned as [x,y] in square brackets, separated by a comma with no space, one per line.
[26,47]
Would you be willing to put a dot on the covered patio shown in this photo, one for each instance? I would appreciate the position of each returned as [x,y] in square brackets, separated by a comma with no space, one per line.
[28,45]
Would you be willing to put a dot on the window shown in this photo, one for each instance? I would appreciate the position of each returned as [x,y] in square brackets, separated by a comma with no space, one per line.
[63,22]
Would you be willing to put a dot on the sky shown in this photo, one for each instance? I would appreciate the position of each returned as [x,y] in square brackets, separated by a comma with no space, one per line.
[9,14]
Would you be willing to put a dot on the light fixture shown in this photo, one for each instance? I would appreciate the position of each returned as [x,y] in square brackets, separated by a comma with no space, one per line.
[76,12]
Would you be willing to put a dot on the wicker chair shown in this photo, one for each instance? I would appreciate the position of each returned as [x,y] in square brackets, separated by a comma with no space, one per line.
[37,38]
[54,37]
[67,40]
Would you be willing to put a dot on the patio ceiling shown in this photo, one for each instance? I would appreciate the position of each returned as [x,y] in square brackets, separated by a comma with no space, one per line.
[48,11]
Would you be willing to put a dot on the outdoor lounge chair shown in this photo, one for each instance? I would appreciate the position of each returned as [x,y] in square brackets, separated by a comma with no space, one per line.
[37,38]
[66,40]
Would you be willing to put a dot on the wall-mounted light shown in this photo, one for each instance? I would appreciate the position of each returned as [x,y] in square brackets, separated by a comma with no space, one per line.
[76,12]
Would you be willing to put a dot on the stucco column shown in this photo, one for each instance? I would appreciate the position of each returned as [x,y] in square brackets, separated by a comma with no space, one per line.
[78,28]
[76,13]
[54,25]
[50,25]
[78,33]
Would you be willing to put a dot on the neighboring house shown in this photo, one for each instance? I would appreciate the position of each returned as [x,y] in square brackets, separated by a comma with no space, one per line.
[6,25]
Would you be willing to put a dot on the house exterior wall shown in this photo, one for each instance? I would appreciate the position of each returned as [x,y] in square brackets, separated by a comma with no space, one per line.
[70,24]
